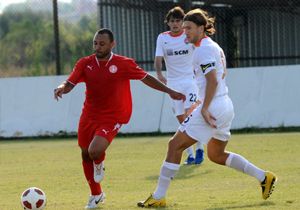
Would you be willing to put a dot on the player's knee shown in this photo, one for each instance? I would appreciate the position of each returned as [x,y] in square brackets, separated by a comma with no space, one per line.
[215,157]
[85,155]
[174,145]
[212,156]
[94,153]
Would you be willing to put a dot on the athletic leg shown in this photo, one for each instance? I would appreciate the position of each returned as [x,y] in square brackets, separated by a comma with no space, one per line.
[178,143]
[216,153]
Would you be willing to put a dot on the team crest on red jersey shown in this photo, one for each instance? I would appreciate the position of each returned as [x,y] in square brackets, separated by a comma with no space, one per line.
[113,69]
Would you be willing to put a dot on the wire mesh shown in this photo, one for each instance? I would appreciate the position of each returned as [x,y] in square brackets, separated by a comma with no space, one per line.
[251,32]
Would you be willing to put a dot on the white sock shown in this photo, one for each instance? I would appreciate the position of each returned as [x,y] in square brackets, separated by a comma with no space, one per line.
[190,151]
[199,146]
[167,173]
[241,164]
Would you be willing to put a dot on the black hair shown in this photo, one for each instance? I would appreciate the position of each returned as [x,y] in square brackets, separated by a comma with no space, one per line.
[106,31]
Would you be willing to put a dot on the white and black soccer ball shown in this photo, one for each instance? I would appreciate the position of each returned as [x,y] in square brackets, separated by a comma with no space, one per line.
[33,198]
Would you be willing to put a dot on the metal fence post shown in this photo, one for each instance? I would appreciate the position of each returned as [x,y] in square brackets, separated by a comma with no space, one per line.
[99,15]
[56,37]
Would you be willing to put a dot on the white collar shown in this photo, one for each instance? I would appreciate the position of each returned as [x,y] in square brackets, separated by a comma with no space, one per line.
[110,57]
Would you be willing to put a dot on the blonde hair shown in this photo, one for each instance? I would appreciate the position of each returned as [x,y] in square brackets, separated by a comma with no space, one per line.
[201,18]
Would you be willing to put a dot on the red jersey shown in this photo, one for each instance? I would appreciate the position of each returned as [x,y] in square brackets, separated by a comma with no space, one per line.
[108,94]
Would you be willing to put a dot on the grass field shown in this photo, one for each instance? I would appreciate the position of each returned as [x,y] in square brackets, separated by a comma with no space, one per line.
[132,168]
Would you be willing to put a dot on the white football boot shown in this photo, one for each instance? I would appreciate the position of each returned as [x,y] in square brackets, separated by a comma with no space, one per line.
[94,200]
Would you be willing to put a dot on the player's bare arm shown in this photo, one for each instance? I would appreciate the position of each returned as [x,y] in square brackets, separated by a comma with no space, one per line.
[211,86]
[156,84]
[158,67]
[63,88]
[224,74]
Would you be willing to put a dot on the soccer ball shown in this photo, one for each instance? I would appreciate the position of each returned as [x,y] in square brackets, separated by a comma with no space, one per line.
[33,198]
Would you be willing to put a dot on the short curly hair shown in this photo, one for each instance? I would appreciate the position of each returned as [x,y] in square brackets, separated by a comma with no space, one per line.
[176,12]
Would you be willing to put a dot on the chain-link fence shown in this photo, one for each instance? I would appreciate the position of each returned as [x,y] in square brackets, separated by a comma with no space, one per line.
[251,32]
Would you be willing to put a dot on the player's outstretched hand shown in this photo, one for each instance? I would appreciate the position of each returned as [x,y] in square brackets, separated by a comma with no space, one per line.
[209,119]
[58,92]
[192,107]
[176,95]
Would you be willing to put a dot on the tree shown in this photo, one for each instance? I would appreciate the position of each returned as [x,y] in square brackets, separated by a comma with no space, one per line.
[27,42]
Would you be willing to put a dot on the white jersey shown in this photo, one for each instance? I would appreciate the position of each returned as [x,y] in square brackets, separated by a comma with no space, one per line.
[178,56]
[207,57]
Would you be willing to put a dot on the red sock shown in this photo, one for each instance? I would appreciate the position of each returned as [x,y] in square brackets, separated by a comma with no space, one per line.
[88,169]
[101,158]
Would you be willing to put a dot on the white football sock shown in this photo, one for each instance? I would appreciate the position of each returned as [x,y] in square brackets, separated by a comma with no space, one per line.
[199,146]
[241,164]
[167,173]
[190,151]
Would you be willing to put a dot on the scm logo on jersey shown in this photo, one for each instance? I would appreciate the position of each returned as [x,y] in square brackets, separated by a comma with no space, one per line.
[177,52]
[181,52]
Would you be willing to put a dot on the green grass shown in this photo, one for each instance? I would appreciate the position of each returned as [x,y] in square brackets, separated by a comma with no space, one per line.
[132,168]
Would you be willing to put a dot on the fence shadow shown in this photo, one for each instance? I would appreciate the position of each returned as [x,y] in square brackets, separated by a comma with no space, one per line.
[266,203]
[185,172]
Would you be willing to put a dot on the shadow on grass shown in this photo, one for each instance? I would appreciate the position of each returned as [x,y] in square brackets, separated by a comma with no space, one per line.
[185,172]
[188,171]
[261,204]
[266,203]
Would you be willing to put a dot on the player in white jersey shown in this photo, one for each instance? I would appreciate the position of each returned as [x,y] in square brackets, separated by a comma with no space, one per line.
[173,47]
[210,122]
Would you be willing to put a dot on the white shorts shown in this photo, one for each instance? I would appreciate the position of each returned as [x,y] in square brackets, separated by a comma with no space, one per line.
[190,89]
[195,126]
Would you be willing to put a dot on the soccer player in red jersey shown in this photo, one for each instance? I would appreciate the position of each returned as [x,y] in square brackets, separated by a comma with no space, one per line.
[107,105]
